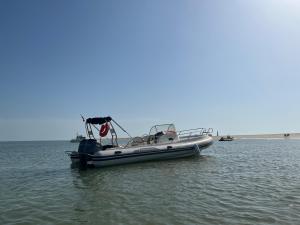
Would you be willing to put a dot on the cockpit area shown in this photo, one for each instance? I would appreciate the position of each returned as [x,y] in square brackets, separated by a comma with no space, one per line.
[159,134]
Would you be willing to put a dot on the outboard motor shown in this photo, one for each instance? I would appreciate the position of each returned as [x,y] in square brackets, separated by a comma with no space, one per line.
[86,148]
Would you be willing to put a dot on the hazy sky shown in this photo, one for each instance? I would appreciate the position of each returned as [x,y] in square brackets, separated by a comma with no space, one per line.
[230,65]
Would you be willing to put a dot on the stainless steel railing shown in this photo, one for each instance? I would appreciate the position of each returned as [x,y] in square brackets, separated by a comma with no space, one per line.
[194,132]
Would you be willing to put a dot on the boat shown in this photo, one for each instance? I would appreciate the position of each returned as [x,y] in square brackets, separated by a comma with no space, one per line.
[228,138]
[162,142]
[78,139]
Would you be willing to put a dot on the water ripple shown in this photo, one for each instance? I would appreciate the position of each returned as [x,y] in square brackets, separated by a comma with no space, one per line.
[242,182]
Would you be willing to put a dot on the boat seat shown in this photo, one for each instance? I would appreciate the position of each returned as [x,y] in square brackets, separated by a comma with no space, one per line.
[150,139]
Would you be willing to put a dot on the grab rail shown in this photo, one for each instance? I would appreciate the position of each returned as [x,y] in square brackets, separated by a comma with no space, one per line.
[194,132]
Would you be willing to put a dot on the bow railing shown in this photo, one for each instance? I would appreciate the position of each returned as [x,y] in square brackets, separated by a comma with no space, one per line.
[191,133]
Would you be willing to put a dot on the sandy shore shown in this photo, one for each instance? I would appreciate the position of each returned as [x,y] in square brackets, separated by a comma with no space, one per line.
[264,136]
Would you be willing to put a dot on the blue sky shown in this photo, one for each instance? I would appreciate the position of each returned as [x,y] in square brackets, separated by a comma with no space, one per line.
[230,65]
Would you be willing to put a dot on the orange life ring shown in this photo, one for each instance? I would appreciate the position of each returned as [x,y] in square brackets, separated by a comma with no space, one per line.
[104,130]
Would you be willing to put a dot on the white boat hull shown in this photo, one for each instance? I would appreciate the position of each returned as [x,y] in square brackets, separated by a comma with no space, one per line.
[117,156]
[147,157]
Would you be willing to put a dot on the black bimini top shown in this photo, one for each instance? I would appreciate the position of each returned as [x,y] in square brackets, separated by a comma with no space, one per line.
[98,120]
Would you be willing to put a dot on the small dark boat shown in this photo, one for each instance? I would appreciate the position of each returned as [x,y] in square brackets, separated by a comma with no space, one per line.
[228,138]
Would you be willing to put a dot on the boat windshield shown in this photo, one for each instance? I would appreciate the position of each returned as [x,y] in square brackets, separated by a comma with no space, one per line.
[162,128]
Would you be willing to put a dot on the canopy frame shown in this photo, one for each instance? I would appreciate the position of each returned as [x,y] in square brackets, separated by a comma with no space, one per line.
[91,123]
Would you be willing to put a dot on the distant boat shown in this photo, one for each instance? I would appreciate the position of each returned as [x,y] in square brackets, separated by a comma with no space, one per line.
[78,139]
[228,138]
[286,135]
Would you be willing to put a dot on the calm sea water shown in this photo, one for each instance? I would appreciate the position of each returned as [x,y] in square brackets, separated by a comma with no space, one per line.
[240,182]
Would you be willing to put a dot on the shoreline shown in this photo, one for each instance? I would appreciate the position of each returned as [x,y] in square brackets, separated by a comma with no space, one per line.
[294,136]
